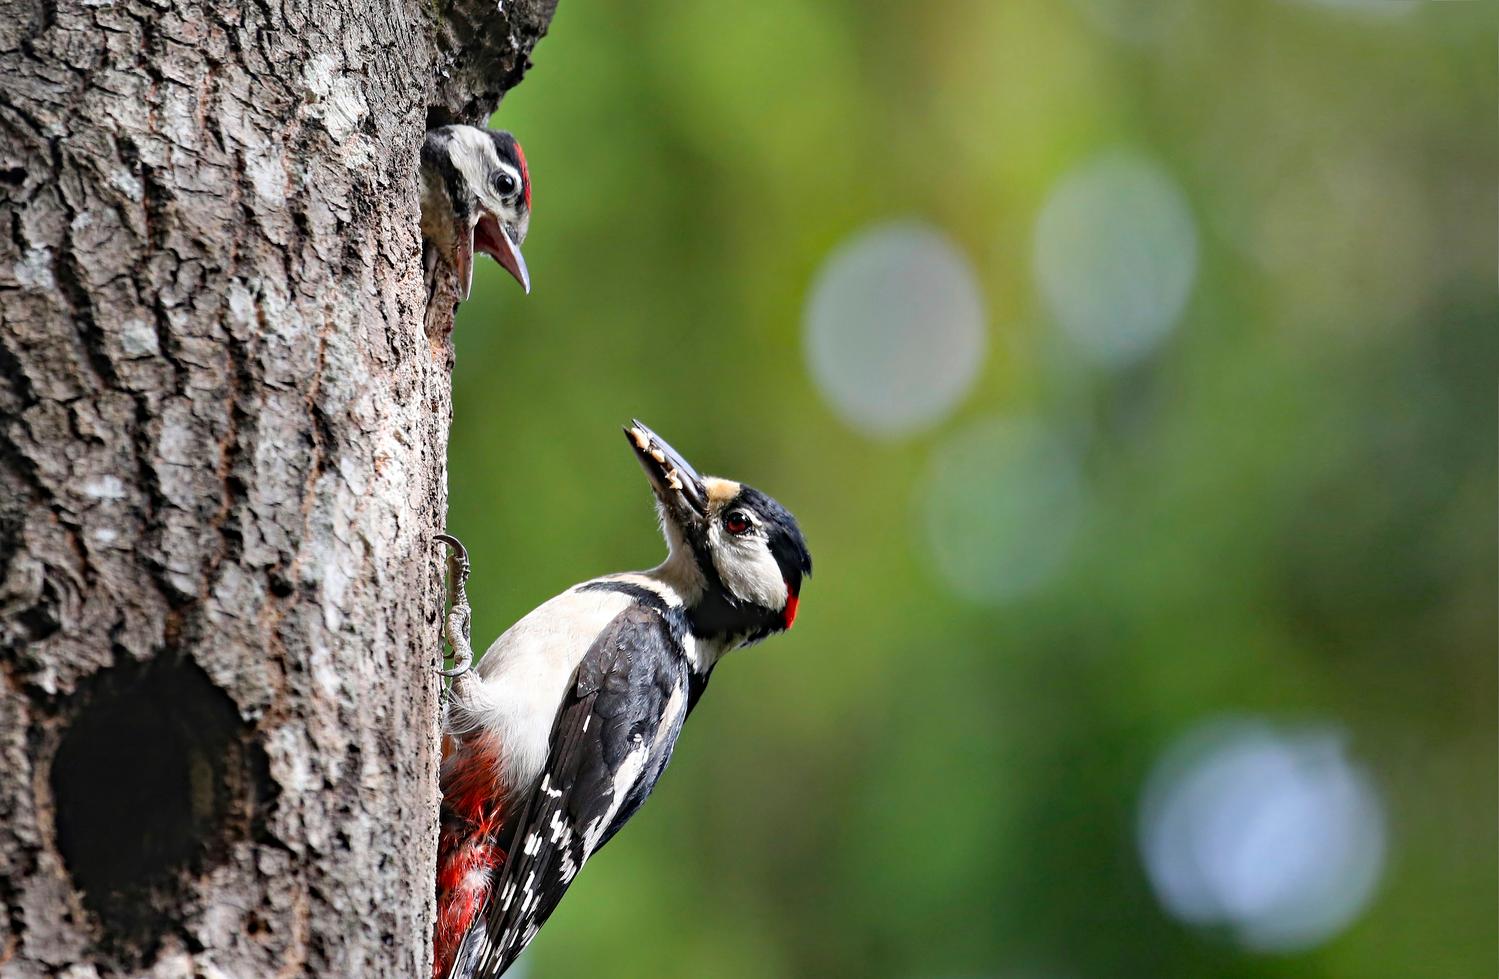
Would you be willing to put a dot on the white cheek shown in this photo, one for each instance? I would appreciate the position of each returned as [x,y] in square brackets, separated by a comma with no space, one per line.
[478,158]
[749,570]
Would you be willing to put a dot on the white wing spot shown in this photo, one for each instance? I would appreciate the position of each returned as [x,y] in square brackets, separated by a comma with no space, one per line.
[526,905]
[630,769]
[569,868]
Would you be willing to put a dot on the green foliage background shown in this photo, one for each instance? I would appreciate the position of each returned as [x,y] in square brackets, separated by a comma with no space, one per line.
[1292,501]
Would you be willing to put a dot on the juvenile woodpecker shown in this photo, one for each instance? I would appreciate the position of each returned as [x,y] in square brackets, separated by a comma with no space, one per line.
[558,734]
[476,196]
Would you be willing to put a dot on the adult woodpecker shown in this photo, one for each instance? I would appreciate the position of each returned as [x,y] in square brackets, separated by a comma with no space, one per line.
[560,732]
[476,196]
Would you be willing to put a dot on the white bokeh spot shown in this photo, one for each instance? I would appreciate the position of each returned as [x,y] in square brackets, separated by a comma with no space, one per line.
[895,329]
[1277,836]
[1115,257]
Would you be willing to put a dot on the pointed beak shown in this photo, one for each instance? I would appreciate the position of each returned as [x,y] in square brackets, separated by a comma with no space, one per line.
[463,263]
[678,486]
[493,239]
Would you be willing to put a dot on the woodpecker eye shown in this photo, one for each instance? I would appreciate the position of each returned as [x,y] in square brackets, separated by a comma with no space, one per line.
[504,184]
[737,522]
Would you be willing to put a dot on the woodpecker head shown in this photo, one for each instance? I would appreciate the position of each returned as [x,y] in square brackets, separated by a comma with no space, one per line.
[743,552]
[476,196]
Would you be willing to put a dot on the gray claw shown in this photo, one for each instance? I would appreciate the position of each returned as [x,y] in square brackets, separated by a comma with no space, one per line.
[456,625]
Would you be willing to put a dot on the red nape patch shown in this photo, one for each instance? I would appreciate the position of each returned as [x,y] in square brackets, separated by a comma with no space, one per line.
[790,613]
[525,174]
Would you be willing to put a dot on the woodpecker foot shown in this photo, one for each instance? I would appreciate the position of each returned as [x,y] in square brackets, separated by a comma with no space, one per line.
[459,618]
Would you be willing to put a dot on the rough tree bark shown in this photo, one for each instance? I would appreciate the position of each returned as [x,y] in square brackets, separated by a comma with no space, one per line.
[223,431]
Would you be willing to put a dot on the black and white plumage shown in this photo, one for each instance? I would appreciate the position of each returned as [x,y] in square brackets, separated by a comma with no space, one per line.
[476,196]
[613,737]
[561,731]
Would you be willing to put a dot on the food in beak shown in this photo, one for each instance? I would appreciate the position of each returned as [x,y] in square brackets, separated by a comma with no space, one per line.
[670,474]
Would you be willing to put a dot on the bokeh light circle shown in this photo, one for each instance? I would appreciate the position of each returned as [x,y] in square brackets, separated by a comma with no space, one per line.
[1277,836]
[1001,506]
[895,329]
[1115,256]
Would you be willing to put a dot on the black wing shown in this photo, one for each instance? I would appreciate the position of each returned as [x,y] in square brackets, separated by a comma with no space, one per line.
[612,739]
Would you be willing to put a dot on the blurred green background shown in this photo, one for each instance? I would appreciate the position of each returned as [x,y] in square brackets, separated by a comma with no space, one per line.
[1130,368]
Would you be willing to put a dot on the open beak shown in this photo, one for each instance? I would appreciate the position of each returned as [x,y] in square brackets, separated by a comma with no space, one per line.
[678,486]
[491,238]
[463,263]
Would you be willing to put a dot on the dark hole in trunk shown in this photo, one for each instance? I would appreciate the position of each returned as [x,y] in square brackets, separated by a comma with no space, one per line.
[152,781]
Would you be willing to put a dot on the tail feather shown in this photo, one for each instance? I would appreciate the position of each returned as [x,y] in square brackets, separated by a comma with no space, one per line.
[472,951]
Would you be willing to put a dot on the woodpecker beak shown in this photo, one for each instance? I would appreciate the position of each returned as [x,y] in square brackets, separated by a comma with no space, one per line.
[491,238]
[463,263]
[678,486]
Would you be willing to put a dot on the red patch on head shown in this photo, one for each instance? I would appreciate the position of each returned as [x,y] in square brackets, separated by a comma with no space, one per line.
[525,175]
[790,613]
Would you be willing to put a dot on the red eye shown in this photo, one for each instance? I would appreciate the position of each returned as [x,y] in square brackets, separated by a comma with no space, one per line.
[736,523]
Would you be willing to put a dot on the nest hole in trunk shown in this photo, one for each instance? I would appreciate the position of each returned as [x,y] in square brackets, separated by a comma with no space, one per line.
[155,776]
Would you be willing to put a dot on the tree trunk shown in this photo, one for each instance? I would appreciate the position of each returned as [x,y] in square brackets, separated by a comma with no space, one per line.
[223,431]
